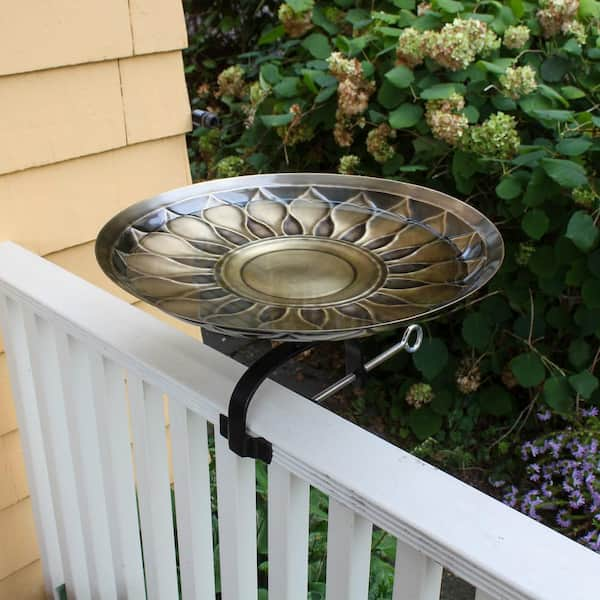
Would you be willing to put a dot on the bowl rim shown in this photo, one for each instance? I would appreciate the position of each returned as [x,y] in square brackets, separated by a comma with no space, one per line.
[109,234]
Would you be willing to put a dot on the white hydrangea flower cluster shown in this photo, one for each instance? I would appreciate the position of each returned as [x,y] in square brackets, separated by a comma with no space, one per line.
[518,81]
[354,91]
[445,119]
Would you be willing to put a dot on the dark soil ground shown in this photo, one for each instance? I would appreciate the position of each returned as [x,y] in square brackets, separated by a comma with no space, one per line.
[308,374]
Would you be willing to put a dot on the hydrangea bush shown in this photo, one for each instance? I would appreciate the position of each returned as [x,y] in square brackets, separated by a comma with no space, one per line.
[496,103]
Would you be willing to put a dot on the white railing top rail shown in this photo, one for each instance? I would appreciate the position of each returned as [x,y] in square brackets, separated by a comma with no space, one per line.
[495,548]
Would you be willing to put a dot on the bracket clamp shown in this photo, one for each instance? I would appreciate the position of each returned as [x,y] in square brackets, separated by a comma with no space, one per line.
[233,426]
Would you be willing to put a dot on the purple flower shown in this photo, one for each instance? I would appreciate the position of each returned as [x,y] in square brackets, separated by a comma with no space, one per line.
[544,416]
[555,446]
[561,519]
[577,500]
[590,412]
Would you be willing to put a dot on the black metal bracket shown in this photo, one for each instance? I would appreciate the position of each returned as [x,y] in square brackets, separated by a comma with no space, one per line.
[233,426]
[355,361]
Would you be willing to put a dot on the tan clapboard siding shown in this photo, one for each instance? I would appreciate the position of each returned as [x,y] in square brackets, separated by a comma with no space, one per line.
[157,25]
[155,99]
[65,204]
[54,115]
[25,584]
[93,108]
[63,32]
[59,114]
[19,544]
[8,417]
[12,470]
[81,261]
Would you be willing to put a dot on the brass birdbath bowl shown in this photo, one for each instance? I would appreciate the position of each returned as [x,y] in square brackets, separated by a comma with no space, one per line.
[301,257]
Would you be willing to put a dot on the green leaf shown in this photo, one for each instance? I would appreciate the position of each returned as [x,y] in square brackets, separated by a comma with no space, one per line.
[582,231]
[441,91]
[325,94]
[400,76]
[471,113]
[320,20]
[594,263]
[406,115]
[509,188]
[277,120]
[352,46]
[324,79]
[270,73]
[300,5]
[572,93]
[449,6]
[442,402]
[574,146]
[358,17]
[554,68]
[584,383]
[517,8]
[498,66]
[590,292]
[405,4]
[567,173]
[535,223]
[528,369]
[551,94]
[272,35]
[318,45]
[424,422]
[580,353]
[573,47]
[557,394]
[589,8]
[554,115]
[431,358]
[389,96]
[477,330]
[287,87]
[495,401]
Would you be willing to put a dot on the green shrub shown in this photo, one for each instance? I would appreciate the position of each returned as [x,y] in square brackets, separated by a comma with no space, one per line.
[496,103]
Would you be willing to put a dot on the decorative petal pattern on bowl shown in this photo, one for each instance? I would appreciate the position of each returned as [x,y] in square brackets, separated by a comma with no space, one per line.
[411,257]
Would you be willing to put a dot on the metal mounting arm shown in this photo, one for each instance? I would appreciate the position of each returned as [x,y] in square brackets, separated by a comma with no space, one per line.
[233,426]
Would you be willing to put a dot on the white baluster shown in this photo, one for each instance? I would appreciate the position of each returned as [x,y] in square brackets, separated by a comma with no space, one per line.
[83,432]
[288,513]
[154,493]
[50,392]
[108,385]
[236,505]
[417,577]
[348,554]
[192,499]
[30,428]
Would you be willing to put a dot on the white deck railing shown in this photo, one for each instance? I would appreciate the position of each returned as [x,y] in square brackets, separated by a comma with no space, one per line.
[89,373]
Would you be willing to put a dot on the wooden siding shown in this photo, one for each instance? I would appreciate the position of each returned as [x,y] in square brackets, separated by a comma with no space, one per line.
[93,116]
[69,32]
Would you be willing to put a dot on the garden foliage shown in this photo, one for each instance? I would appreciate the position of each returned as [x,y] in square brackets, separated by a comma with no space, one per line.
[493,102]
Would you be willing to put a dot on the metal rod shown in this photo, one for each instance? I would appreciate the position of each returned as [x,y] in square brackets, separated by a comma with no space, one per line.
[403,344]
[204,118]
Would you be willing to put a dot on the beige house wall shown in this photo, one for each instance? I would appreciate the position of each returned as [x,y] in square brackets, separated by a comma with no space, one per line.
[93,116]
